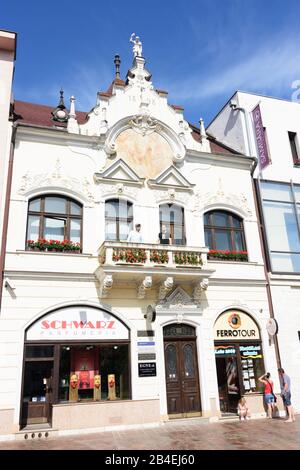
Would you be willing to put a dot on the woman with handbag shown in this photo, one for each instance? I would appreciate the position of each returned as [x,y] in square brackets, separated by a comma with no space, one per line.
[270,397]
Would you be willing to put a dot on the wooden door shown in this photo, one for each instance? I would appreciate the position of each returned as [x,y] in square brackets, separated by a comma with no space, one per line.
[182,379]
[37,394]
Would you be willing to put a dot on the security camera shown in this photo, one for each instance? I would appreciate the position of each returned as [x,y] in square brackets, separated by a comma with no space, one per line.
[233,104]
[9,283]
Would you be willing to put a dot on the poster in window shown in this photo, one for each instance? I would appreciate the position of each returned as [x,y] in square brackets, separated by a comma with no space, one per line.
[252,383]
[246,384]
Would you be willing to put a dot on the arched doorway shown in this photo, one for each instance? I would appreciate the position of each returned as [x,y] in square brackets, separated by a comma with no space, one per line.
[182,376]
[239,358]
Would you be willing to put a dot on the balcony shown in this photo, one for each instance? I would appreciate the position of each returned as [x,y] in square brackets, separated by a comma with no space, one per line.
[150,265]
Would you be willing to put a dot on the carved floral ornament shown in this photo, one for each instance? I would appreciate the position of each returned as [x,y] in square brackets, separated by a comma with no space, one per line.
[171,195]
[30,182]
[179,301]
[229,201]
[119,189]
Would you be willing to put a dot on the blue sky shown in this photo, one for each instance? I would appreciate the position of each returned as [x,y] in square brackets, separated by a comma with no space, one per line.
[201,51]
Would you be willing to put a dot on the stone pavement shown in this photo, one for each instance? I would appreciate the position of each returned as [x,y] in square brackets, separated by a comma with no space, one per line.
[260,434]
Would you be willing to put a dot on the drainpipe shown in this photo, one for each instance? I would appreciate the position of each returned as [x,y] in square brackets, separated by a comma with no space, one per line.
[6,208]
[262,238]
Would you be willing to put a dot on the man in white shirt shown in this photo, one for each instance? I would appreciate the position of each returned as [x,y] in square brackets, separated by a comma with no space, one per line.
[135,236]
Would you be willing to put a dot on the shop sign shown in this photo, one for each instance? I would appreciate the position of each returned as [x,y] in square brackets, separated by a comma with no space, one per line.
[262,150]
[147,346]
[146,343]
[147,369]
[224,350]
[235,324]
[77,323]
[253,352]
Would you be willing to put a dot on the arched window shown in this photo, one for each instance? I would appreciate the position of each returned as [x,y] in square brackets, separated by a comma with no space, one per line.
[172,217]
[54,217]
[224,231]
[118,219]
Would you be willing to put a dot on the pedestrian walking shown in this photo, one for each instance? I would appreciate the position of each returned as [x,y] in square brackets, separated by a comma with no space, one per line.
[285,385]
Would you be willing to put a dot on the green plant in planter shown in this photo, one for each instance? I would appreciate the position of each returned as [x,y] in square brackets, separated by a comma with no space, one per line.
[188,258]
[227,255]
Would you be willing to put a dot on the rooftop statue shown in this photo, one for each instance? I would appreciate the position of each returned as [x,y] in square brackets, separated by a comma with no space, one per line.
[137,45]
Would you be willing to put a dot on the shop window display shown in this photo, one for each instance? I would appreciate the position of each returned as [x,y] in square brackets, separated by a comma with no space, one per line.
[92,365]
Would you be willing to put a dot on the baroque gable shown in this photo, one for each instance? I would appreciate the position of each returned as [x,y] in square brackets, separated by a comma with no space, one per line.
[119,172]
[171,177]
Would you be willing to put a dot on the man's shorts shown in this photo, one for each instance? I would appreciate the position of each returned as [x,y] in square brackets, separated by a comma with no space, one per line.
[286,398]
[269,398]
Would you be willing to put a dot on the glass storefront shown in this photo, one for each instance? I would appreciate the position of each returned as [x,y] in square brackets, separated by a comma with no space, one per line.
[239,358]
[73,355]
[89,361]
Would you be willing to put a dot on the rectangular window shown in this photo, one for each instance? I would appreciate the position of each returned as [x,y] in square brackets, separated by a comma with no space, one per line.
[252,366]
[33,227]
[75,230]
[81,366]
[294,147]
[282,227]
[280,209]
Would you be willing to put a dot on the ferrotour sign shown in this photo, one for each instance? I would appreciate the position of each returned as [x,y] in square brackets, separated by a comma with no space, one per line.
[77,323]
[235,324]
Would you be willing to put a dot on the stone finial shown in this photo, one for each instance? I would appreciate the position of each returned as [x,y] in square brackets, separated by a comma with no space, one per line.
[202,130]
[72,108]
[137,45]
[72,122]
[117,62]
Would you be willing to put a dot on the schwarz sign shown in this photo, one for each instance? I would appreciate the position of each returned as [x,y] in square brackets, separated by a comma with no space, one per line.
[147,369]
[77,323]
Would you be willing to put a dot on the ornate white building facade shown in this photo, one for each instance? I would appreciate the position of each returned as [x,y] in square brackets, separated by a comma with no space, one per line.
[97,332]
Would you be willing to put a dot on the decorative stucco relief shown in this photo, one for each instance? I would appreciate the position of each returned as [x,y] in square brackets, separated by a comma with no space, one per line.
[119,189]
[171,195]
[222,199]
[30,182]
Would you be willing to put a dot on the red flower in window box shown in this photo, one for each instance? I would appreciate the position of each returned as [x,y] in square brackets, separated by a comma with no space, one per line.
[53,245]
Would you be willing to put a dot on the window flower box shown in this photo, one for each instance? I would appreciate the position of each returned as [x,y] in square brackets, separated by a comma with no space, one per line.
[159,257]
[226,255]
[65,246]
[130,255]
[185,258]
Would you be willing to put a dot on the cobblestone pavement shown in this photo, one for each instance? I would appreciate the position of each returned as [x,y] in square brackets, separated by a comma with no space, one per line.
[262,434]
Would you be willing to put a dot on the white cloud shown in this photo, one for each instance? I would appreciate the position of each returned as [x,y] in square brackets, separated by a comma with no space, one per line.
[271,69]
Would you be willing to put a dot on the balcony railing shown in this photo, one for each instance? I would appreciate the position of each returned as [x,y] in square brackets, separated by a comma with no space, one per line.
[140,254]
